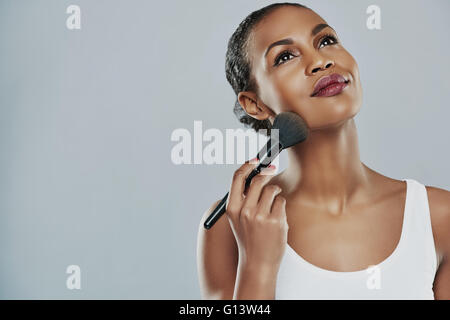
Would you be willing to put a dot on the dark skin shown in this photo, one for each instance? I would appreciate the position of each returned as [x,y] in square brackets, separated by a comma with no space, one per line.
[342,215]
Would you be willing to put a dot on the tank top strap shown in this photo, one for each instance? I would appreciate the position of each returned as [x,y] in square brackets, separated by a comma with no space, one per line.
[418,221]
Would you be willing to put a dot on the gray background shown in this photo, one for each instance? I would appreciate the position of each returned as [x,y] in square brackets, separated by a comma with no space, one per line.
[86,117]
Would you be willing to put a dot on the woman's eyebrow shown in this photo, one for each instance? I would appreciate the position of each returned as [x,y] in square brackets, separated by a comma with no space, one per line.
[314,31]
[319,28]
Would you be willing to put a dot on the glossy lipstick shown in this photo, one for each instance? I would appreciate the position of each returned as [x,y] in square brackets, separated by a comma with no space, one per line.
[329,85]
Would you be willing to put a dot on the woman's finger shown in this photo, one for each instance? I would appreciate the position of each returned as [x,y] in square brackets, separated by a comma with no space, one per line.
[267,198]
[254,192]
[236,194]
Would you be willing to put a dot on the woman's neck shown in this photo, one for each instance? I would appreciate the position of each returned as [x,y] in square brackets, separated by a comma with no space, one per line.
[326,169]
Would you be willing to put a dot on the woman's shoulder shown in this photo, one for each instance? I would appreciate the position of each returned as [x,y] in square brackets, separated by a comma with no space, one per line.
[217,257]
[219,235]
[440,198]
[439,204]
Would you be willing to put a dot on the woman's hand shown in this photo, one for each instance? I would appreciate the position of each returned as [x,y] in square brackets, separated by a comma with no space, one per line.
[258,218]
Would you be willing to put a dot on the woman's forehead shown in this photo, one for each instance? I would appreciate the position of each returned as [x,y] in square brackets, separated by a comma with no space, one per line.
[284,22]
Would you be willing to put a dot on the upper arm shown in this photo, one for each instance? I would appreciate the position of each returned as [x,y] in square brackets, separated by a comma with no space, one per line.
[217,258]
[439,203]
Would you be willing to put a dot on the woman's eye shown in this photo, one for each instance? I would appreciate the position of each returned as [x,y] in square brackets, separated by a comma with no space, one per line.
[326,40]
[284,56]
[280,59]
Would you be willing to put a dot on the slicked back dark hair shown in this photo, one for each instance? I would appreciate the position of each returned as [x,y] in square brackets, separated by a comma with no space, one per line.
[238,65]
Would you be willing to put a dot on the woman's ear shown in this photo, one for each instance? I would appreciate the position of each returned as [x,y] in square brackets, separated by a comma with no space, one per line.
[255,108]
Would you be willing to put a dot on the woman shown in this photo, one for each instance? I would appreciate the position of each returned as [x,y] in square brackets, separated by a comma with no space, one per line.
[327,227]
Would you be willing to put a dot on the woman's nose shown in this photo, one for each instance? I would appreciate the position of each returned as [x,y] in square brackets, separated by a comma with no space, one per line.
[323,66]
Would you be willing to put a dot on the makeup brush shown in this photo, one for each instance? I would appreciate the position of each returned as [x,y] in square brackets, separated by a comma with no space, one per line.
[291,129]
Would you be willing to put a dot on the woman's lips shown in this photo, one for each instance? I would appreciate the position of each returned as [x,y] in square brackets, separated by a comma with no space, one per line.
[329,85]
[331,90]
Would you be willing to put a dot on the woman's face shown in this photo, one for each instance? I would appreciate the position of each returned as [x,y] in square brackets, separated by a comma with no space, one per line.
[286,74]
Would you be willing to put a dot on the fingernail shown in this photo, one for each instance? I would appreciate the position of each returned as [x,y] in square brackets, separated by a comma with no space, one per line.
[272,166]
[254,160]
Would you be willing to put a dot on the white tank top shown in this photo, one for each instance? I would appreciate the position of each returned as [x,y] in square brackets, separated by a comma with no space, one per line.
[408,273]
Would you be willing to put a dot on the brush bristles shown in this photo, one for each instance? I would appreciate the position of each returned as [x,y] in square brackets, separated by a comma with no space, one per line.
[292,128]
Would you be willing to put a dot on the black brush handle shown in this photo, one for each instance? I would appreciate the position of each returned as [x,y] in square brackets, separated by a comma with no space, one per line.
[221,207]
[271,151]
